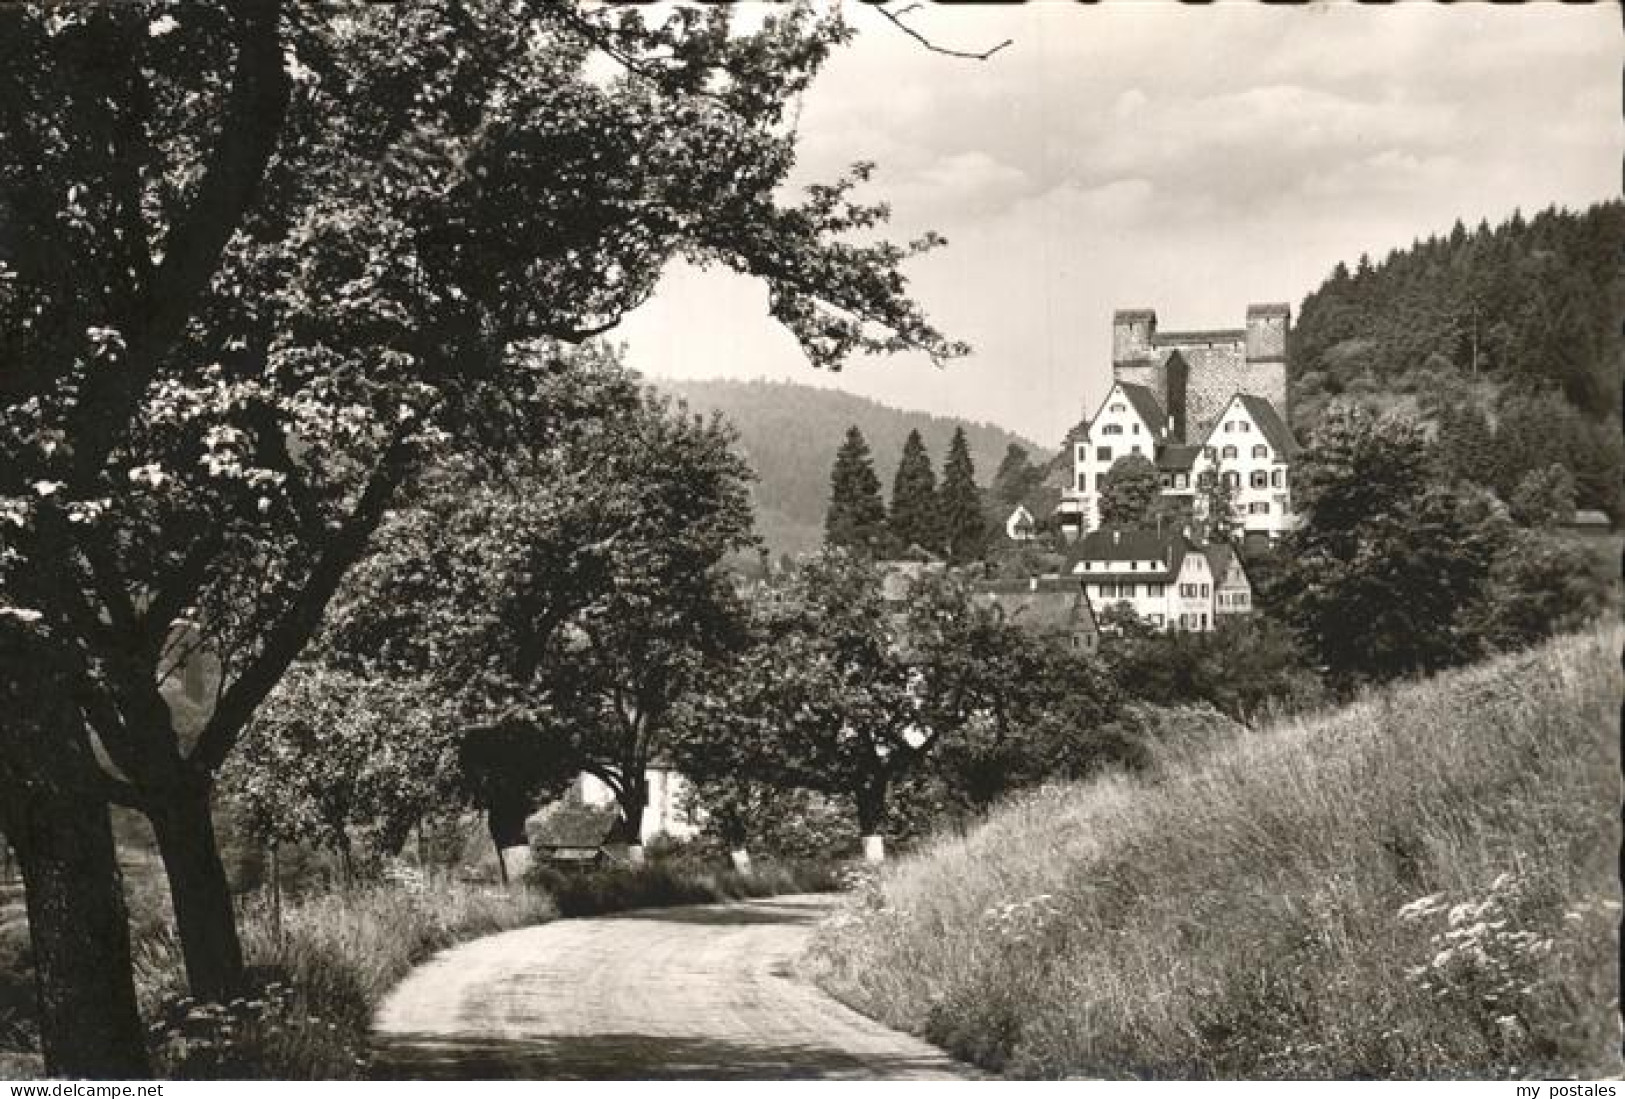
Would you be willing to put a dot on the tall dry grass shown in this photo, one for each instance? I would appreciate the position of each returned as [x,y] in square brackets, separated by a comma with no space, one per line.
[1420,885]
[319,973]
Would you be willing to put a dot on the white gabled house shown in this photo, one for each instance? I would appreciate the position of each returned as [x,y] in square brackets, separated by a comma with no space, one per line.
[1168,580]
[1251,447]
[1130,421]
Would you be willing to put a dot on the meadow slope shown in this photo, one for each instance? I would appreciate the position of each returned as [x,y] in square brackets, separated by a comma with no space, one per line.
[1420,885]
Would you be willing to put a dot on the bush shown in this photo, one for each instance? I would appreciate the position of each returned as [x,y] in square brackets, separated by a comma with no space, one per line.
[661,886]
[1418,885]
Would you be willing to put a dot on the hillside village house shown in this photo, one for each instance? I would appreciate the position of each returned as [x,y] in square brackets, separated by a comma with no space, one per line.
[1054,609]
[1169,581]
[1198,406]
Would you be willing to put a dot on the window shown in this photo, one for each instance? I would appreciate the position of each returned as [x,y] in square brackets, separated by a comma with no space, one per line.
[1083,452]
[1206,591]
[1259,479]
[1119,406]
[1154,619]
[1166,480]
[1103,454]
[1133,566]
[1205,480]
[1229,427]
[1154,591]
[1135,428]
[1278,478]
[1083,482]
[1135,449]
[1088,566]
[1232,479]
[1261,451]
[1259,508]
[1203,619]
[1209,453]
[1112,429]
[1182,480]
[1244,426]
[1228,452]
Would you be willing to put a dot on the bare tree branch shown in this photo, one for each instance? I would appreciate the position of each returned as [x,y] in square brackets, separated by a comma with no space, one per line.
[896,20]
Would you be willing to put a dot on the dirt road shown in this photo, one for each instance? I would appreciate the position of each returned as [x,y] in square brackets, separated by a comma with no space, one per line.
[697,993]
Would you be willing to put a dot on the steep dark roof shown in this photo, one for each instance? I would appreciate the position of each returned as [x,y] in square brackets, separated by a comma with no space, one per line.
[1177,456]
[1270,423]
[1219,558]
[1144,400]
[1138,544]
[1043,607]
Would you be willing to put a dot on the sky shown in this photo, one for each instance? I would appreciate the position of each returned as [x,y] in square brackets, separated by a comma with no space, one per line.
[1143,154]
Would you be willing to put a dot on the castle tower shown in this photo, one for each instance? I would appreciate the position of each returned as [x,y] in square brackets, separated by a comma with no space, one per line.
[1265,372]
[1134,358]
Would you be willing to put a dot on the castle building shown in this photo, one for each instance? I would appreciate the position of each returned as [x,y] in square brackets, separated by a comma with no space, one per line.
[1199,406]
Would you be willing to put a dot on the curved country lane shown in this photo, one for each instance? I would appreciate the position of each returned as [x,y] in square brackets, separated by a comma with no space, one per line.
[697,993]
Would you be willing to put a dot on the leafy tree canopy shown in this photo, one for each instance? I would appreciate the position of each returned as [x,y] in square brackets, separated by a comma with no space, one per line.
[1131,488]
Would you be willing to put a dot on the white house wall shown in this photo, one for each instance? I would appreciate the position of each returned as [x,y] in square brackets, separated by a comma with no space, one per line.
[1254,454]
[1118,428]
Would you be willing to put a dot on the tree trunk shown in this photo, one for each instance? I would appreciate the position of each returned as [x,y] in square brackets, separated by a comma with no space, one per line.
[54,815]
[634,801]
[80,931]
[506,823]
[204,919]
[871,816]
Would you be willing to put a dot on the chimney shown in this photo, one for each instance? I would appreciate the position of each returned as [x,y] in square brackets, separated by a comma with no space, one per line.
[1032,583]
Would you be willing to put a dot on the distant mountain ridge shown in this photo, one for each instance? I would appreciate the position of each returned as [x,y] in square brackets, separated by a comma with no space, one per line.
[789,433]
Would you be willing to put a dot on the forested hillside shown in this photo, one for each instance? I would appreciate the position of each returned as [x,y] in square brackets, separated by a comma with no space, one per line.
[1529,303]
[789,433]
[1515,326]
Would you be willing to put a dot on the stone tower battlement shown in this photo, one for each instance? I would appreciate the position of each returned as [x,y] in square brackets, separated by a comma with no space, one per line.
[1213,365]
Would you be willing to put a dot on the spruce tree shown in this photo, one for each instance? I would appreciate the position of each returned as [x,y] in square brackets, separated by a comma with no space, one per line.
[856,517]
[964,527]
[914,498]
[1017,476]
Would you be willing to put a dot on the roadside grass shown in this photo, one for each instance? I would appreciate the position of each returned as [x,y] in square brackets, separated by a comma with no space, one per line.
[316,978]
[1419,885]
